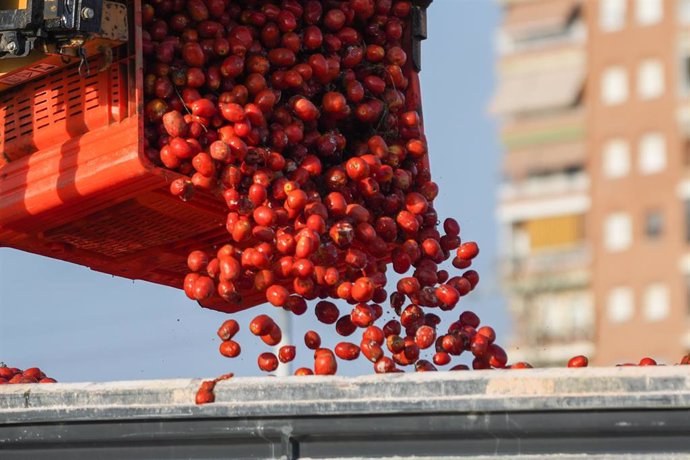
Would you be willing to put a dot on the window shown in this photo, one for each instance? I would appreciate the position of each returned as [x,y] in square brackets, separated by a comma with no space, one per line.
[521,243]
[654,224]
[617,232]
[616,159]
[614,86]
[652,153]
[685,73]
[648,12]
[562,316]
[684,11]
[582,315]
[686,205]
[556,318]
[650,79]
[620,305]
[612,15]
[656,302]
[687,295]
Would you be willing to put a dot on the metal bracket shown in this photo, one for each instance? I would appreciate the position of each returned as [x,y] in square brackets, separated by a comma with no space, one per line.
[13,44]
[419,30]
[51,21]
[75,16]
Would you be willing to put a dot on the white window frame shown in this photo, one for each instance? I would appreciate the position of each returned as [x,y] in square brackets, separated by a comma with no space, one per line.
[618,231]
[656,302]
[612,15]
[650,79]
[652,155]
[616,161]
[649,12]
[683,12]
[620,304]
[614,85]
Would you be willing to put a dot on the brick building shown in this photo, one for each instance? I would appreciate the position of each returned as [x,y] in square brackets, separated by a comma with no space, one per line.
[594,206]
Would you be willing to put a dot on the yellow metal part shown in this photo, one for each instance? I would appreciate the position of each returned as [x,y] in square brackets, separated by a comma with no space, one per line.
[13,4]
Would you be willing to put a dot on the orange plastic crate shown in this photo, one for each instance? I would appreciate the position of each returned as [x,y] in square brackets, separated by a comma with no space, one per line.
[75,184]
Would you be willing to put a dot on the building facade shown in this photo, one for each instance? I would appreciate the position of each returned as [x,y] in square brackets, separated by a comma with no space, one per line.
[594,208]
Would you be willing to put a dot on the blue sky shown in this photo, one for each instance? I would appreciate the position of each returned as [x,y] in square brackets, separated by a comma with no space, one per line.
[80,325]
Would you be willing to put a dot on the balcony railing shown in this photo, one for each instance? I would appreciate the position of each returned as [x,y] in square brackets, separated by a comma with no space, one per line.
[555,184]
[507,44]
[564,259]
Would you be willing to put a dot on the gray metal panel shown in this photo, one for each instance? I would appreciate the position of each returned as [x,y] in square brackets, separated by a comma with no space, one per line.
[575,432]
[543,413]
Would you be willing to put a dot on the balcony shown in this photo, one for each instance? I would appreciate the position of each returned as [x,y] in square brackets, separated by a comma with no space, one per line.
[553,184]
[545,269]
[507,43]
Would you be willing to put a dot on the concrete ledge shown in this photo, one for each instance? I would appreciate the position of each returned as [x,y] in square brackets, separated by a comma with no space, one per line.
[442,392]
[607,413]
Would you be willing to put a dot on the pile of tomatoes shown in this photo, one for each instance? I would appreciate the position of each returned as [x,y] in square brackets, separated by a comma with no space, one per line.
[304,117]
